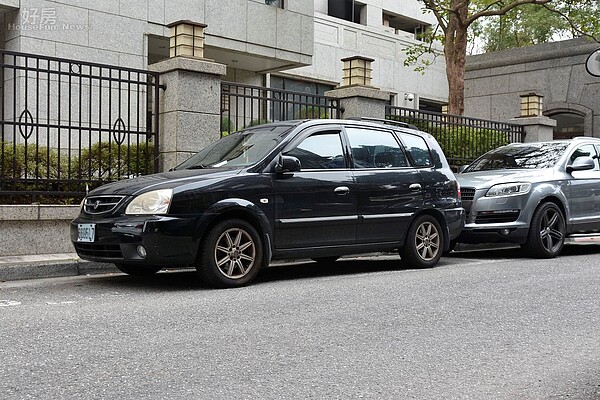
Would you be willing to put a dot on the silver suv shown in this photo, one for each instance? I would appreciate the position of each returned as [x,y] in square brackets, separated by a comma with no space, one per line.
[537,195]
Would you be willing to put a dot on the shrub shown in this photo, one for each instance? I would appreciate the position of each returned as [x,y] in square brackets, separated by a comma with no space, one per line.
[34,168]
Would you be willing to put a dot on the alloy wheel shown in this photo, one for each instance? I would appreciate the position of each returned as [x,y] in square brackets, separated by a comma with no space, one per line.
[551,232]
[235,253]
[427,241]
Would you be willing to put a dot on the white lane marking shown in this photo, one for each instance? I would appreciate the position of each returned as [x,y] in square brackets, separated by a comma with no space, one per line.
[9,303]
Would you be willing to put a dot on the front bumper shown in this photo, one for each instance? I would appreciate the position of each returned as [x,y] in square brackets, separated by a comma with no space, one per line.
[496,219]
[167,241]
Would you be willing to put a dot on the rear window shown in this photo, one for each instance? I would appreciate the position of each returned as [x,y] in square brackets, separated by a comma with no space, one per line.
[417,148]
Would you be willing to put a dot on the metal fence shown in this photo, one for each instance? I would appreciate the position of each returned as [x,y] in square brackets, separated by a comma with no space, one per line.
[66,126]
[245,105]
[463,139]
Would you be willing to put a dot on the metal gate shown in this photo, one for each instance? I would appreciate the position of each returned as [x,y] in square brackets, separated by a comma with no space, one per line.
[67,126]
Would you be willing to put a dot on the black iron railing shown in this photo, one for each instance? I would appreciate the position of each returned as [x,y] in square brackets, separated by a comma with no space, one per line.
[463,139]
[67,126]
[245,105]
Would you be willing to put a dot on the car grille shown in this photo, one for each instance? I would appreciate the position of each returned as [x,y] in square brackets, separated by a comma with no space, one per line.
[496,217]
[99,250]
[467,194]
[101,204]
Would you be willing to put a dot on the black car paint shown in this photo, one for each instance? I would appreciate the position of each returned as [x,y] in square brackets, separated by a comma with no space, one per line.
[298,214]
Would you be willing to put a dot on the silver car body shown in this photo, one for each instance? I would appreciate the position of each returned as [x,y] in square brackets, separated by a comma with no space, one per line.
[507,218]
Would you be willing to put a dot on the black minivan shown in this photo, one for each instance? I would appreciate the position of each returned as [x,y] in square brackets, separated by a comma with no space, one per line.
[315,189]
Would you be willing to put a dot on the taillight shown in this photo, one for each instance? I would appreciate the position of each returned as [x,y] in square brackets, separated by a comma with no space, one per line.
[458,190]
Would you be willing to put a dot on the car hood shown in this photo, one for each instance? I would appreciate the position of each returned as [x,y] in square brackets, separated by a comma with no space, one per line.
[486,179]
[164,180]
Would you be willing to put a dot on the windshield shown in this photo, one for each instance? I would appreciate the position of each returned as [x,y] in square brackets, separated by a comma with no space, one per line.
[239,149]
[520,156]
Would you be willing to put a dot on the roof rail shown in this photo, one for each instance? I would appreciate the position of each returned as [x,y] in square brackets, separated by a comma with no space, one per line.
[385,122]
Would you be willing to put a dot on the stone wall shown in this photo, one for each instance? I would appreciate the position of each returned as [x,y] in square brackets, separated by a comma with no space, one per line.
[35,229]
[494,82]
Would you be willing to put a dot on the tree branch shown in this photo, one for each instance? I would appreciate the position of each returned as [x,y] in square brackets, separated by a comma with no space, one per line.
[501,11]
[574,27]
[437,9]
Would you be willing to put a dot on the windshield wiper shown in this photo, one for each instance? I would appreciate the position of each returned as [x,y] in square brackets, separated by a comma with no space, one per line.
[197,166]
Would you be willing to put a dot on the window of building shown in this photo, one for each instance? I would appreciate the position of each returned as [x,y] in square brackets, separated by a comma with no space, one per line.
[299,105]
[430,105]
[568,125]
[401,25]
[350,10]
[275,3]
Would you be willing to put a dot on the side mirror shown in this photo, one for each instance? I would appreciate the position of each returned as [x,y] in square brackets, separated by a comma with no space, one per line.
[583,163]
[287,164]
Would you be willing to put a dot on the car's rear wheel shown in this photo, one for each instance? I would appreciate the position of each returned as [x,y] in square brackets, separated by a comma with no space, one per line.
[424,243]
[138,270]
[546,236]
[231,254]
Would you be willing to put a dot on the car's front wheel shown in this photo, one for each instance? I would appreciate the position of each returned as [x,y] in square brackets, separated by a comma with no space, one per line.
[424,243]
[546,236]
[231,254]
[138,270]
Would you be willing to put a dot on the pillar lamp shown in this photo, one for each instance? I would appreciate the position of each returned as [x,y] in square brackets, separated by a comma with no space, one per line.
[357,71]
[187,39]
[531,105]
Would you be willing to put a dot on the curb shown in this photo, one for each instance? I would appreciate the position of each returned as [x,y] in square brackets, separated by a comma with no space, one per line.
[49,266]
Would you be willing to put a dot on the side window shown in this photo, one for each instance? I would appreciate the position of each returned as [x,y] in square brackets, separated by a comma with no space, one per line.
[375,149]
[586,150]
[321,150]
[417,148]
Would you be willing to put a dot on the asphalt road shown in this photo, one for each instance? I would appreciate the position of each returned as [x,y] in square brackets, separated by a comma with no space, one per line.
[485,325]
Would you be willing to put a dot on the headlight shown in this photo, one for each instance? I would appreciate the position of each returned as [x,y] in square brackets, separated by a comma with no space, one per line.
[156,202]
[508,189]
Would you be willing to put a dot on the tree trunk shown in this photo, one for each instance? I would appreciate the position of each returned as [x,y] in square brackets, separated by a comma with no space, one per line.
[455,53]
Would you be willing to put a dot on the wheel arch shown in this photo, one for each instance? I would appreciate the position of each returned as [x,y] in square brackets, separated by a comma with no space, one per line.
[236,209]
[551,199]
[440,219]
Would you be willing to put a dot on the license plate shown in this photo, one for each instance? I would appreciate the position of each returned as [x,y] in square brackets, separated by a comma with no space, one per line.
[86,232]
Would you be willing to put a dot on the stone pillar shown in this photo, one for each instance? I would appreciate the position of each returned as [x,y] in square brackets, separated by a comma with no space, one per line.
[190,107]
[356,96]
[361,101]
[537,129]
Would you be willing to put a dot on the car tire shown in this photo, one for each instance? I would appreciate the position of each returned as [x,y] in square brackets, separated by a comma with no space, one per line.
[424,243]
[138,270]
[231,254]
[546,236]
[325,260]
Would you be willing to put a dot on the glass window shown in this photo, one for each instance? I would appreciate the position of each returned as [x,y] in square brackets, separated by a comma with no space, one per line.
[587,150]
[375,149]
[320,151]
[520,155]
[417,148]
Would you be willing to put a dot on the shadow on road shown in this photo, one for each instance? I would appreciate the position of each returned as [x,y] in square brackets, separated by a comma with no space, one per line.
[178,280]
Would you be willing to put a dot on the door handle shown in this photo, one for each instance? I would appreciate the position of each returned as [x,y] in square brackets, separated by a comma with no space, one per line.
[341,190]
[415,187]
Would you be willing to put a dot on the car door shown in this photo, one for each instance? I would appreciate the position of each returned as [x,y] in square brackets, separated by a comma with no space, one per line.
[316,206]
[389,188]
[584,190]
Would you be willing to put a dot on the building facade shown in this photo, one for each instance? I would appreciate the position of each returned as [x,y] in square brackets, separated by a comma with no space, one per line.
[288,44]
[495,82]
